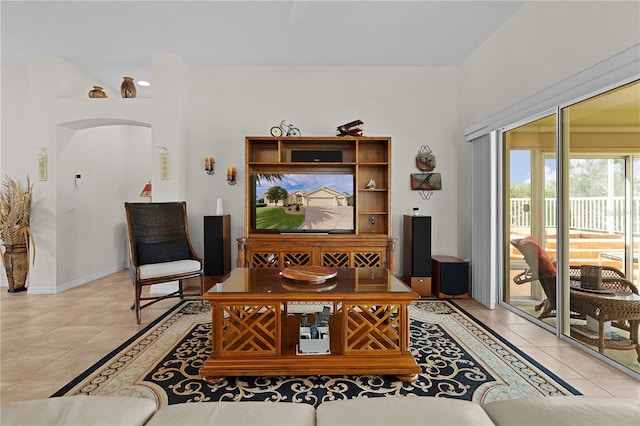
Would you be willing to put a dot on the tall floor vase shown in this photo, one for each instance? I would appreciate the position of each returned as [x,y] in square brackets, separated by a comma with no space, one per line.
[16,263]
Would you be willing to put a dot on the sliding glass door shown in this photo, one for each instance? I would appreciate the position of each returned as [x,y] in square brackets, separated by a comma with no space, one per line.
[530,201]
[602,135]
[593,227]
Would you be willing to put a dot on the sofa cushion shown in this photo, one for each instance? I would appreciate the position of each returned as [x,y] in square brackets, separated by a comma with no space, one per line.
[565,410]
[78,410]
[401,410]
[235,413]
[165,251]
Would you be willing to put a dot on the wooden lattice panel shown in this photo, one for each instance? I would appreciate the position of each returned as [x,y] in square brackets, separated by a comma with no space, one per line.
[372,328]
[293,259]
[265,260]
[362,259]
[335,259]
[250,329]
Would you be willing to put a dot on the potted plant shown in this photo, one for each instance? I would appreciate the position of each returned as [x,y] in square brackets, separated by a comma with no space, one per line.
[15,233]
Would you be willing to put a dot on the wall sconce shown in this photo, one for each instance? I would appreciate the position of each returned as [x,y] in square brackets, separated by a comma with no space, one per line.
[209,165]
[231,175]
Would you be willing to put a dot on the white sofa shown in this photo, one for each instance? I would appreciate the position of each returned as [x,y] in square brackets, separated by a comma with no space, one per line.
[98,410]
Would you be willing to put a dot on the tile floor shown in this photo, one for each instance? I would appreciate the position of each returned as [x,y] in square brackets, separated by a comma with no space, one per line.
[47,340]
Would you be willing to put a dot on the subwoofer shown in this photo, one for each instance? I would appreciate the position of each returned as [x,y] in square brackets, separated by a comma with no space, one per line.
[450,277]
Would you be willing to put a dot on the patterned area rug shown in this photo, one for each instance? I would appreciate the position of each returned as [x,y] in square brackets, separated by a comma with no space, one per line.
[459,357]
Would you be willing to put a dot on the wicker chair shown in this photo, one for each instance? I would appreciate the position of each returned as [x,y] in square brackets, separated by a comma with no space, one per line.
[160,250]
[542,268]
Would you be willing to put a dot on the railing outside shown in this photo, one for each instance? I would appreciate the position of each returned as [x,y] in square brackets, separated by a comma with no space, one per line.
[595,214]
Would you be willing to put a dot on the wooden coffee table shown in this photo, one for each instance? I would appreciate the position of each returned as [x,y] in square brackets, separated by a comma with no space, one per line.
[254,334]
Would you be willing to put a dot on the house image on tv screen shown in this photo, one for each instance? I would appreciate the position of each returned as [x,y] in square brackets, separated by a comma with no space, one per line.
[321,197]
[305,202]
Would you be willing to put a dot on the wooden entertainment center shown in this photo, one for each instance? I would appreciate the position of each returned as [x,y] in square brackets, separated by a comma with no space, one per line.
[345,226]
[368,244]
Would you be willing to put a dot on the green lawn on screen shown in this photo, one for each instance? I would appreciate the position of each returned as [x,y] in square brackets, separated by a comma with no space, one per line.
[277,218]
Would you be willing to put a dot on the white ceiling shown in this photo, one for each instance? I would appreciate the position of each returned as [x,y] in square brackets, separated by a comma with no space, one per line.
[110,39]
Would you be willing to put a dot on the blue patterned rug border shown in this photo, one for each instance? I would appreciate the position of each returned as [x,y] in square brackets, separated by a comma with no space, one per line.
[504,341]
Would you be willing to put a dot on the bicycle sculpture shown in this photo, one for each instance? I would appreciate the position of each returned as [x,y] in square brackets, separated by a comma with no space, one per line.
[285,129]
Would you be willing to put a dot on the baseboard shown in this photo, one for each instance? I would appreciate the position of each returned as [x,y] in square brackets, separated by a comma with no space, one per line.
[55,289]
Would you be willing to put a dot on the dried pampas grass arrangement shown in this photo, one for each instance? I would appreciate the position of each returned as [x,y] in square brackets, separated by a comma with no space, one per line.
[15,213]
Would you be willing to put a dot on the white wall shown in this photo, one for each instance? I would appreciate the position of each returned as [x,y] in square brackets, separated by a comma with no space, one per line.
[415,106]
[46,102]
[206,111]
[541,45]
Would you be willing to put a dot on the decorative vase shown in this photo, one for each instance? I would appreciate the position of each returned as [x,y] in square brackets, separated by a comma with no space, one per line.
[16,264]
[97,92]
[128,88]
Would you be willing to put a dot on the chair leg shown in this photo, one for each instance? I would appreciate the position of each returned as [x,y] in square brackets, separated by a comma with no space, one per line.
[136,303]
[202,291]
[133,303]
[546,309]
[181,289]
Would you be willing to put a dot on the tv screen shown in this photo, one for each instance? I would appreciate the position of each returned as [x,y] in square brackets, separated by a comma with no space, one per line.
[304,202]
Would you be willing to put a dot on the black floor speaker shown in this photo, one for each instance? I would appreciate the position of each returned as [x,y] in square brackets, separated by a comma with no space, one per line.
[217,245]
[416,254]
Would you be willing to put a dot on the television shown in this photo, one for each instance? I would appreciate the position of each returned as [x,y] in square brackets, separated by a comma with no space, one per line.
[303,202]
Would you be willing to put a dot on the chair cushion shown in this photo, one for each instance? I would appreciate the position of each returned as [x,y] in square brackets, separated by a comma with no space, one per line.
[164,251]
[236,413]
[78,410]
[536,257]
[565,410]
[401,410]
[164,269]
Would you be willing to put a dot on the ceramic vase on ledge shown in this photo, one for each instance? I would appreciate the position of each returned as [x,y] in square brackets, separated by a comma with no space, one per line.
[128,88]
[97,92]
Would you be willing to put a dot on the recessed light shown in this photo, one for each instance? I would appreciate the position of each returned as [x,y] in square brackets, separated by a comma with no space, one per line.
[143,83]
